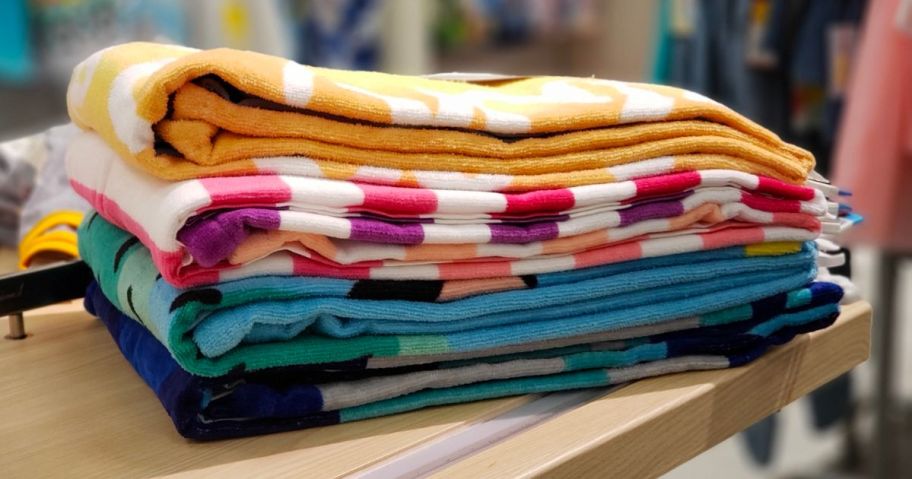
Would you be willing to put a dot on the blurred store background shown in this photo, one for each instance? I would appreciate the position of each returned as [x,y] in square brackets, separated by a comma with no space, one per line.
[833,76]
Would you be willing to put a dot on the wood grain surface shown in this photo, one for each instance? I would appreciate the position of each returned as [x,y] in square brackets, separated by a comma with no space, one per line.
[72,406]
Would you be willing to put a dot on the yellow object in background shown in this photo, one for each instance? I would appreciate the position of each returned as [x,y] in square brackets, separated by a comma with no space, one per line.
[54,237]
[236,24]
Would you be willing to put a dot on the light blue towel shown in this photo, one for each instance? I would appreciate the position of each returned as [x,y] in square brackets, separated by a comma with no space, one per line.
[307,320]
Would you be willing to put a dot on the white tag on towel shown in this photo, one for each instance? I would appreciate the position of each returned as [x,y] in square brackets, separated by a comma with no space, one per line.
[829,191]
[826,260]
[818,177]
[474,77]
[827,245]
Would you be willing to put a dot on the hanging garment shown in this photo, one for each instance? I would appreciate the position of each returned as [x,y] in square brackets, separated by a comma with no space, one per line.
[874,151]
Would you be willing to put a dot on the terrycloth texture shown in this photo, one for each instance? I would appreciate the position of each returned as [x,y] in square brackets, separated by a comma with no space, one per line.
[573,253]
[208,239]
[192,225]
[242,404]
[271,321]
[181,113]
[517,241]
[53,211]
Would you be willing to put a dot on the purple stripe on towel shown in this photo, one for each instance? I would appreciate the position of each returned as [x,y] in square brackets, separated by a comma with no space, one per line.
[212,238]
[649,211]
[523,234]
[381,232]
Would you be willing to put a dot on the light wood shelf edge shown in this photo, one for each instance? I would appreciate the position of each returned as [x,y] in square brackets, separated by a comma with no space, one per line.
[77,408]
[643,430]
[652,426]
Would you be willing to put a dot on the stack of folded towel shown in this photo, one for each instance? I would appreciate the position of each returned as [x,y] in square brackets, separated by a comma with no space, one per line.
[278,246]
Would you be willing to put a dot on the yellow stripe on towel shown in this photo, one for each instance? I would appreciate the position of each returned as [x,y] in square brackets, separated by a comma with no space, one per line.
[773,248]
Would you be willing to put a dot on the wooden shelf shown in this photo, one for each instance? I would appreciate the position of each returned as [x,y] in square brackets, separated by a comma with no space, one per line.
[73,406]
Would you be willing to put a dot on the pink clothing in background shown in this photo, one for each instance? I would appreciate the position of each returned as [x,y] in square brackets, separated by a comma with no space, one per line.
[874,146]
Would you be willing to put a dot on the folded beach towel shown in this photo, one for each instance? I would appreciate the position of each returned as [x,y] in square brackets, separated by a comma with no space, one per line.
[536,239]
[571,253]
[210,238]
[241,404]
[181,113]
[194,226]
[270,321]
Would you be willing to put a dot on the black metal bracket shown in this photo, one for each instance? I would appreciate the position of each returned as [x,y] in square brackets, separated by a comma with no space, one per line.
[41,286]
